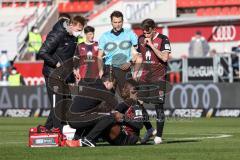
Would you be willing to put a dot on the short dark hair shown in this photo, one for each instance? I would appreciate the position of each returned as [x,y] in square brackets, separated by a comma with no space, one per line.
[88,29]
[79,19]
[33,27]
[147,24]
[116,14]
[65,16]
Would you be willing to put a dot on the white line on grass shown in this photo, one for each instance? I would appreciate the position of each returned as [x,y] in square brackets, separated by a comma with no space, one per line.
[214,136]
[1,143]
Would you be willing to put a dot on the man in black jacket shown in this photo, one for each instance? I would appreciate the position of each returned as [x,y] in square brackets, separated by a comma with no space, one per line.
[59,46]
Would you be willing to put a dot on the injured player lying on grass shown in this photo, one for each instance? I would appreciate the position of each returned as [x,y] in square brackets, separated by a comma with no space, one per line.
[120,127]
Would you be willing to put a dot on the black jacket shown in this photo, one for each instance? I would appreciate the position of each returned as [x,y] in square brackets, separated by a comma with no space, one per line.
[58,47]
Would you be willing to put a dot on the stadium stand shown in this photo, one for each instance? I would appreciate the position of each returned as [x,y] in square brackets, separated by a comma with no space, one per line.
[209,7]
[76,6]
[16,21]
[13,26]
[24,3]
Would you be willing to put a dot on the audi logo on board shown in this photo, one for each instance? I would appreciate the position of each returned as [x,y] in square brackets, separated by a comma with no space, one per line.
[195,96]
[224,33]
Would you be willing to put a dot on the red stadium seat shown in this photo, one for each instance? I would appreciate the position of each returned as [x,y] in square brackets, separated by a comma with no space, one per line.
[182,3]
[209,11]
[60,7]
[234,10]
[203,3]
[31,4]
[216,11]
[225,11]
[192,3]
[90,6]
[75,6]
[70,8]
[209,3]
[219,2]
[200,11]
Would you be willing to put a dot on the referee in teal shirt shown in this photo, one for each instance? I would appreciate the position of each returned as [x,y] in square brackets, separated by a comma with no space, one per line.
[117,52]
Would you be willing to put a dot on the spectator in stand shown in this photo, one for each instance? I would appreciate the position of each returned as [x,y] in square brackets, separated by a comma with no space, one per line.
[4,61]
[15,78]
[4,77]
[198,46]
[34,43]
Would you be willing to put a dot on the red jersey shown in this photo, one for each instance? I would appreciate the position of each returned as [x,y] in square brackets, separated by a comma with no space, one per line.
[88,53]
[154,69]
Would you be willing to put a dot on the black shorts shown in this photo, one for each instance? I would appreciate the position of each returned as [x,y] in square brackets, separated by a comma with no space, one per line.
[152,92]
[120,75]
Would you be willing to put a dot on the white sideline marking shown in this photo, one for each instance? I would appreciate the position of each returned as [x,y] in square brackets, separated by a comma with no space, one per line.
[214,136]
[12,142]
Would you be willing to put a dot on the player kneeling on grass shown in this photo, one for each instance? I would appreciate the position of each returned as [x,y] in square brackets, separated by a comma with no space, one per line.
[129,115]
[91,124]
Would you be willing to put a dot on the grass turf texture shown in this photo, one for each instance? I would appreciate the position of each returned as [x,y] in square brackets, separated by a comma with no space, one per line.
[14,139]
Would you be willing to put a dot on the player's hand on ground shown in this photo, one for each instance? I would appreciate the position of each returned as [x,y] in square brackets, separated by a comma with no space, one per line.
[125,66]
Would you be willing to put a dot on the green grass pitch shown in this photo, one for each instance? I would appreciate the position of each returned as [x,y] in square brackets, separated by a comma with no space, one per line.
[184,139]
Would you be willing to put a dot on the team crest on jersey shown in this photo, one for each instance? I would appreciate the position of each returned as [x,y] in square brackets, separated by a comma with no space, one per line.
[89,55]
[148,56]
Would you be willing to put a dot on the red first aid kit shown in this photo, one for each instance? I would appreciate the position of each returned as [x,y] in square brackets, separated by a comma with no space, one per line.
[41,137]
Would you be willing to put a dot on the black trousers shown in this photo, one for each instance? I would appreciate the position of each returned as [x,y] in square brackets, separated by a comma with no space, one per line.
[121,76]
[97,127]
[52,120]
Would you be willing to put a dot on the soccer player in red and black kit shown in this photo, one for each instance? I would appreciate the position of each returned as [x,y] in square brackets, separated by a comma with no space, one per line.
[155,49]
[86,55]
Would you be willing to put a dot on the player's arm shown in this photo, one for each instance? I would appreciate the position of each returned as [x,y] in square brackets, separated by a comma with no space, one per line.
[135,55]
[137,60]
[101,44]
[76,63]
[100,62]
[162,54]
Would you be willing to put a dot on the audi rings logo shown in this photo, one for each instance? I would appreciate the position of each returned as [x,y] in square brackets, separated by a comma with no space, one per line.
[224,33]
[195,96]
[33,81]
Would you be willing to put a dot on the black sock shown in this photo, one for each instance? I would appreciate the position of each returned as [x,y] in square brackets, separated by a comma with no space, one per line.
[147,125]
[146,121]
[160,119]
